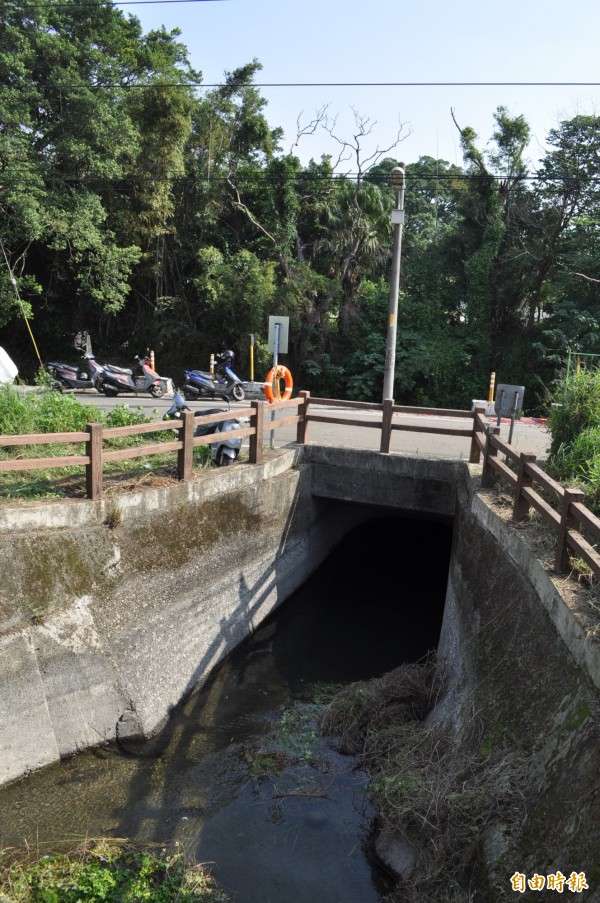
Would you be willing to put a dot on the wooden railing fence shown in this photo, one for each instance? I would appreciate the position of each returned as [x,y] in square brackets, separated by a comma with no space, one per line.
[561,508]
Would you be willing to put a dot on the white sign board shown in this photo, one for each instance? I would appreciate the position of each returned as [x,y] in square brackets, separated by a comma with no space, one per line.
[284,328]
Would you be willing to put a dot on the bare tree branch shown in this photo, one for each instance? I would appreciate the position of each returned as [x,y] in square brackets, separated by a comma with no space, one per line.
[311,127]
[587,278]
[244,209]
[354,148]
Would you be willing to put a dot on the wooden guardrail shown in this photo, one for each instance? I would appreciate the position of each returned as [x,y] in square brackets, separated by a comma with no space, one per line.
[561,508]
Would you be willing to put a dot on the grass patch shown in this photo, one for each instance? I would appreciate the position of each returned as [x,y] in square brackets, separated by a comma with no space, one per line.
[52,412]
[105,871]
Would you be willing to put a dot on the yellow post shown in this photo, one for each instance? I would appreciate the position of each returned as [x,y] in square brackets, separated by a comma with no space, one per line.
[492,384]
[251,358]
[212,363]
[152,360]
[577,364]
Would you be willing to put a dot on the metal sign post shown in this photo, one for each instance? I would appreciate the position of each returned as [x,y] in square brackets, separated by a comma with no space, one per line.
[278,342]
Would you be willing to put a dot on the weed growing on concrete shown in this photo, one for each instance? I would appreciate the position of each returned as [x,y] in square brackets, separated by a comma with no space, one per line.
[113,513]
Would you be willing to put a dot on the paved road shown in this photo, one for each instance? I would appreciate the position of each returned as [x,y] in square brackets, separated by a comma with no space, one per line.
[528,436]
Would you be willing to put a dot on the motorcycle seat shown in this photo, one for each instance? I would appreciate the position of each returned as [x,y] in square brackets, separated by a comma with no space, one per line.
[114,369]
[209,411]
[204,374]
[62,366]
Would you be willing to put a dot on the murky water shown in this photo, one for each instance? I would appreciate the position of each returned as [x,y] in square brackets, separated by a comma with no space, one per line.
[278,812]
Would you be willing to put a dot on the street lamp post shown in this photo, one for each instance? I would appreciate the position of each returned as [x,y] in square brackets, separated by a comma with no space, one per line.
[398,180]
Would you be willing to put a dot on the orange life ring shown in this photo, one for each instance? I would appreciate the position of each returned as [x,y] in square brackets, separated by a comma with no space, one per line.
[272,387]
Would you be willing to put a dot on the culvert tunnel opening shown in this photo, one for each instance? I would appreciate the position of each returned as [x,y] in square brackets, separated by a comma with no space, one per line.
[376,601]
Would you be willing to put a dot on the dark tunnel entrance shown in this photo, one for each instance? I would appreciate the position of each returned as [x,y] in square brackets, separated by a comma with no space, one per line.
[377,601]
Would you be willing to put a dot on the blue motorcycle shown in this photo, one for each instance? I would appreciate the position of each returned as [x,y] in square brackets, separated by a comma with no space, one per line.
[224,382]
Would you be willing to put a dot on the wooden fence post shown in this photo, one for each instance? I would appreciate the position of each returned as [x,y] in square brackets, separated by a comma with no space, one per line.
[487,474]
[567,521]
[303,411]
[386,425]
[256,439]
[475,453]
[93,470]
[521,505]
[185,456]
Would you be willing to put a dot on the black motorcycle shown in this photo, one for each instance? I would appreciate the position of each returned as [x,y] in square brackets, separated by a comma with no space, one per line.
[75,376]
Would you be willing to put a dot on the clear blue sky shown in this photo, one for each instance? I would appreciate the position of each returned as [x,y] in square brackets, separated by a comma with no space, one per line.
[398,41]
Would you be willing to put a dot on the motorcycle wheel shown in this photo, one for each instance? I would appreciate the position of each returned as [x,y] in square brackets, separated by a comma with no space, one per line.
[157,391]
[224,460]
[109,391]
[189,396]
[238,392]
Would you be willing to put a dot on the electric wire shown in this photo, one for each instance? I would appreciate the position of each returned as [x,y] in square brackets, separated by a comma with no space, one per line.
[239,85]
[134,180]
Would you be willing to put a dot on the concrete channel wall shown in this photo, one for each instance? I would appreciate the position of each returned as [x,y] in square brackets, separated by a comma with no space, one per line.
[112,612]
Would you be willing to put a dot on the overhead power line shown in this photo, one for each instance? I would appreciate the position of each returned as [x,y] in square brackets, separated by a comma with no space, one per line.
[129,181]
[75,5]
[191,84]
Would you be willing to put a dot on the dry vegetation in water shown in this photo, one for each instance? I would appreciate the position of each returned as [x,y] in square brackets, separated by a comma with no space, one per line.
[427,786]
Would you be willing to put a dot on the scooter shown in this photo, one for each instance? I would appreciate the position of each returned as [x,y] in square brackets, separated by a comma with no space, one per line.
[225,450]
[113,379]
[203,384]
[75,376]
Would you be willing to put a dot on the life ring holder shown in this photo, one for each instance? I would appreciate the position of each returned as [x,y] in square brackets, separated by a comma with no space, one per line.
[272,378]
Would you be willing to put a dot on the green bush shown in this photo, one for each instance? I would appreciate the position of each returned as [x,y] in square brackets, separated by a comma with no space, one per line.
[576,407]
[574,420]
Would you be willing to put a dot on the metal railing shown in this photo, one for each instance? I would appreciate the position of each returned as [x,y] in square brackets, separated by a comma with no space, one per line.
[561,508]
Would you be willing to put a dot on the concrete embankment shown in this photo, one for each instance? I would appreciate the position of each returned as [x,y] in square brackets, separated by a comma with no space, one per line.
[112,612]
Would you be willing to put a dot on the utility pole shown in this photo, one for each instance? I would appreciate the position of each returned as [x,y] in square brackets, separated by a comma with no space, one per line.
[398,180]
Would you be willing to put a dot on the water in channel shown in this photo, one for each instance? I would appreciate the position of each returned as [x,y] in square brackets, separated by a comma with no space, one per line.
[239,778]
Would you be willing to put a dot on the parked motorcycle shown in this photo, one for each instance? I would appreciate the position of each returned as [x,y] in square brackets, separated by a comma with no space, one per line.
[203,384]
[113,379]
[226,449]
[75,376]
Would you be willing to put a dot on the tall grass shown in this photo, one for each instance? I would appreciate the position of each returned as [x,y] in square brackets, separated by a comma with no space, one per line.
[574,420]
[52,412]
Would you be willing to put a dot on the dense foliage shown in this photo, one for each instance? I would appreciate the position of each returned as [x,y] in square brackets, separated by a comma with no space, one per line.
[156,215]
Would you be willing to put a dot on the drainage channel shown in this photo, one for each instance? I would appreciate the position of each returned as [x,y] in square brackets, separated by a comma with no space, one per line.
[240,777]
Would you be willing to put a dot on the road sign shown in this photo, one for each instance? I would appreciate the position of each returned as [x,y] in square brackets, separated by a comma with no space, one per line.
[509,400]
[284,328]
